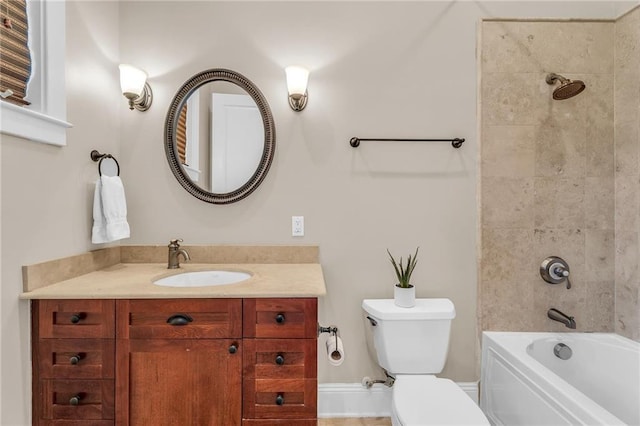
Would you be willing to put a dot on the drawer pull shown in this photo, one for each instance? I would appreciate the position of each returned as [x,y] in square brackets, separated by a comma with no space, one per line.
[280,359]
[179,319]
[280,399]
[280,318]
[75,400]
[76,318]
[75,359]
[233,348]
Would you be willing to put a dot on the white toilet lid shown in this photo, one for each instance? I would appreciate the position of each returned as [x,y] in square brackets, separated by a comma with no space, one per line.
[420,400]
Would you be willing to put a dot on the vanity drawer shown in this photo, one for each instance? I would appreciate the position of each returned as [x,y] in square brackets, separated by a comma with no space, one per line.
[179,318]
[76,358]
[75,318]
[280,358]
[280,318]
[77,399]
[280,398]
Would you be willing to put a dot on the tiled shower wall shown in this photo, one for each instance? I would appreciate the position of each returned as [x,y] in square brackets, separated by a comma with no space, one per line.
[547,174]
[560,177]
[627,172]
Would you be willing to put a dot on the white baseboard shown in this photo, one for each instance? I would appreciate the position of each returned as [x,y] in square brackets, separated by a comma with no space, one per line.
[354,400]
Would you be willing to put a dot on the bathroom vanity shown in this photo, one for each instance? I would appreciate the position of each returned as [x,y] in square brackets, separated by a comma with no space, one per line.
[242,354]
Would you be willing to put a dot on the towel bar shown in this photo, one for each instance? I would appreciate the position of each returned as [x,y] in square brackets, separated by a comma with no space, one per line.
[455,142]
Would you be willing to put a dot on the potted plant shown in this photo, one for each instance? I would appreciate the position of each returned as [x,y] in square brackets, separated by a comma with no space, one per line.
[404,293]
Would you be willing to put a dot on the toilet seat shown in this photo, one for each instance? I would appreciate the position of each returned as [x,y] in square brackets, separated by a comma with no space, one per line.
[421,400]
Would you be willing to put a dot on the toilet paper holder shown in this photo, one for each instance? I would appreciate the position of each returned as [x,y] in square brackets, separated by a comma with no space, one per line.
[332,329]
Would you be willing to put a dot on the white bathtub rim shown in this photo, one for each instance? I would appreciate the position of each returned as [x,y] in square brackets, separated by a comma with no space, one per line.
[553,387]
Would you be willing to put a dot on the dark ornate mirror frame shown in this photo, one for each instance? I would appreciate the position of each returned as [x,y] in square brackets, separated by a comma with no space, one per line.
[171,123]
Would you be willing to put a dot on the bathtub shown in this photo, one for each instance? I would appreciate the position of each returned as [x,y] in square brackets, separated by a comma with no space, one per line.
[524,383]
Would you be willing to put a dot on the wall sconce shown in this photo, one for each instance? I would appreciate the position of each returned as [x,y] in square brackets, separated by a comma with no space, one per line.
[133,82]
[297,79]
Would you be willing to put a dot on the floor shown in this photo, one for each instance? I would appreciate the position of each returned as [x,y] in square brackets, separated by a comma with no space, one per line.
[365,421]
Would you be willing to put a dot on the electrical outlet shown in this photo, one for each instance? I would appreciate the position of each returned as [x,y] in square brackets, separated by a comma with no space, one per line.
[297,226]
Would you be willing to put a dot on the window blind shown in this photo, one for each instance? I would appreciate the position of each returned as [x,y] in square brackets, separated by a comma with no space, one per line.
[181,135]
[15,58]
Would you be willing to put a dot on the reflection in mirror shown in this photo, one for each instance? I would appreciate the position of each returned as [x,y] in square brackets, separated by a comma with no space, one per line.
[219,136]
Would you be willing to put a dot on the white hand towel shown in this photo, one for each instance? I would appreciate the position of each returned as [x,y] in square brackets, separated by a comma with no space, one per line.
[109,211]
[99,231]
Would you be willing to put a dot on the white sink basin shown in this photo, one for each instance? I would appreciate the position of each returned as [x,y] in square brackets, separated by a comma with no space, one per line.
[203,279]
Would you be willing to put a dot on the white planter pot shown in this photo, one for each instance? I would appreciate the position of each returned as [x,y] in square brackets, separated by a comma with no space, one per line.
[404,297]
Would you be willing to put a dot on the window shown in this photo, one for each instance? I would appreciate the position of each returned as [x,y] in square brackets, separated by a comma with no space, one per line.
[15,57]
[44,119]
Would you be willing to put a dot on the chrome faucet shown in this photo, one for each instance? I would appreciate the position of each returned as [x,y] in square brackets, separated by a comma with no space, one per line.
[559,316]
[174,254]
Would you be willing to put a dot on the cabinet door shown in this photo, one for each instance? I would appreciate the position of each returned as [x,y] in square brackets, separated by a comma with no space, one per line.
[178,382]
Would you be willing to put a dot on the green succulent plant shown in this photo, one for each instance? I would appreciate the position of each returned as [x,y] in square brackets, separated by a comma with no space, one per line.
[403,272]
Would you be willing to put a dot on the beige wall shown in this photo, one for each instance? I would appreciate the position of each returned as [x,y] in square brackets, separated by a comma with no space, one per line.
[371,64]
[378,69]
[560,177]
[383,69]
[627,174]
[47,191]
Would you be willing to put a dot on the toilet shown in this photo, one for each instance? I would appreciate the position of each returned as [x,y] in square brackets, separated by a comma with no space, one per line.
[411,344]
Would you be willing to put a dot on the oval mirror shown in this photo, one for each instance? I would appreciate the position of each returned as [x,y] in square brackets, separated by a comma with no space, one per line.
[219,136]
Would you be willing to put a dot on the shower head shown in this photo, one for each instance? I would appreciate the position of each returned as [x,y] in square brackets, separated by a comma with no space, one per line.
[567,89]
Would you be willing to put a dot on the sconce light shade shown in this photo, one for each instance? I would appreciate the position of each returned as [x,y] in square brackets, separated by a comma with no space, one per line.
[133,82]
[297,79]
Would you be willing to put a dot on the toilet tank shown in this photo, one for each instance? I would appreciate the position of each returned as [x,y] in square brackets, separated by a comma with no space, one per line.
[409,340]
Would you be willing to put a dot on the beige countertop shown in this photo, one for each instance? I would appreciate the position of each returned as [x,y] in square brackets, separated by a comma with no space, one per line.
[135,281]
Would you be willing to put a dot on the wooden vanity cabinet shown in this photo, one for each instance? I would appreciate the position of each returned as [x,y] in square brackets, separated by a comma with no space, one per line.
[73,362]
[179,362]
[218,362]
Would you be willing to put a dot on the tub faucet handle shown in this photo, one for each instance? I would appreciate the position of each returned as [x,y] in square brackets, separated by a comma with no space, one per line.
[555,270]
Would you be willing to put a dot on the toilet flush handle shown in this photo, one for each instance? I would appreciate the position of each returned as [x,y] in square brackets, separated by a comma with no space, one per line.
[372,321]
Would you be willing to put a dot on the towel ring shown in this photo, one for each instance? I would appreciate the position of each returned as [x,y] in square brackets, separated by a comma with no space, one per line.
[96,156]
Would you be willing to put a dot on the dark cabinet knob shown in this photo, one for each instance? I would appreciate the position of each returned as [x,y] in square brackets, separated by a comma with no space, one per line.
[233,348]
[280,359]
[280,399]
[75,400]
[75,359]
[280,318]
[76,318]
[179,319]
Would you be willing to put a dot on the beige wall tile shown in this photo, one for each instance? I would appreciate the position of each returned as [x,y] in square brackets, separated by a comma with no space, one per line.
[560,148]
[512,99]
[599,253]
[599,299]
[507,202]
[627,34]
[627,199]
[627,147]
[508,151]
[600,148]
[506,255]
[558,203]
[505,49]
[627,255]
[599,203]
[627,314]
[506,305]
[572,47]
[598,98]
